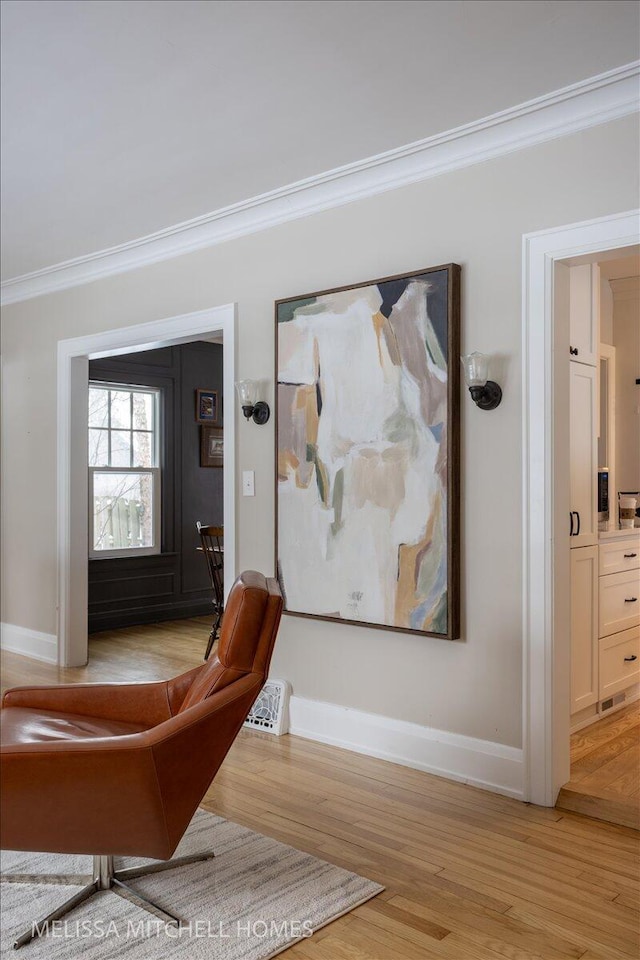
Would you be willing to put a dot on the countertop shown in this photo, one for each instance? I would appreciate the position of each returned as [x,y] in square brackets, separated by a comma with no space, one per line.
[619,534]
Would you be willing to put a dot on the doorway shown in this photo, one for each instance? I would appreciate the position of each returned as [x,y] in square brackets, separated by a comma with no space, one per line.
[150,481]
[73,377]
[604,551]
[546,614]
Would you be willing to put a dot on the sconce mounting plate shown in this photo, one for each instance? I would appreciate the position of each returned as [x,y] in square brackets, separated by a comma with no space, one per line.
[487,397]
[261,412]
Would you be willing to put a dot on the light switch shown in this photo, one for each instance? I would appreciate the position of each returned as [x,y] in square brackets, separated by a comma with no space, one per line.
[248,483]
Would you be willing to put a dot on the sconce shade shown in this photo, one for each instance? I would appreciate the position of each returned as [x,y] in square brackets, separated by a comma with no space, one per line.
[252,408]
[476,369]
[247,392]
[485,393]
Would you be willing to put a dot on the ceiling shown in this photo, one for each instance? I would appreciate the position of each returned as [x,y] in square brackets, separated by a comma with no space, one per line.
[124,117]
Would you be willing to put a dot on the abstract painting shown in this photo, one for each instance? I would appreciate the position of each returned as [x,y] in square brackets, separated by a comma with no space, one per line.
[367,445]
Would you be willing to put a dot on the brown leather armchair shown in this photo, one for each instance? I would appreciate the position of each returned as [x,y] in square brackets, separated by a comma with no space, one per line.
[119,769]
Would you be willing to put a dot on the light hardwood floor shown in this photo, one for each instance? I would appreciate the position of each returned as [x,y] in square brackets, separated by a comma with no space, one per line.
[469,875]
[605,769]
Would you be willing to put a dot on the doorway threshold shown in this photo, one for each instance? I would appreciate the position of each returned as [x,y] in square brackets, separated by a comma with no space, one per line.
[605,770]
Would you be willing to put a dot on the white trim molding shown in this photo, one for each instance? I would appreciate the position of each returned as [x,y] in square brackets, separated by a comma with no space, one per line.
[608,96]
[480,763]
[29,643]
[626,288]
[72,496]
[545,677]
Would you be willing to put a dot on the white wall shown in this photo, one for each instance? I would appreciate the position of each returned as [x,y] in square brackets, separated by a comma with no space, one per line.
[475,217]
[626,339]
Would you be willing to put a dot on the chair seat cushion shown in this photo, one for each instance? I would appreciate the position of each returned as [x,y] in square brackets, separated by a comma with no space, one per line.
[24,725]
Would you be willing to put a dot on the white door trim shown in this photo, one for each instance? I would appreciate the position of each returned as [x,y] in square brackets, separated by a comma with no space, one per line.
[72,496]
[545,694]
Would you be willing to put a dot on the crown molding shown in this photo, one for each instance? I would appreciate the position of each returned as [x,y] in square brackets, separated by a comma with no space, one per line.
[625,288]
[608,96]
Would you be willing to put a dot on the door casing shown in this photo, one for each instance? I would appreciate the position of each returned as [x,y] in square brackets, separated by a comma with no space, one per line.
[72,415]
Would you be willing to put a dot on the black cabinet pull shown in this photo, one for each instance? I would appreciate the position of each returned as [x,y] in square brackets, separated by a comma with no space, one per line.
[628,556]
[578,530]
[629,659]
[573,351]
[631,600]
[571,522]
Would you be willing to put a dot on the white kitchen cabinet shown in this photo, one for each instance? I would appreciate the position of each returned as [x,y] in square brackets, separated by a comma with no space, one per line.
[583,467]
[584,628]
[619,602]
[618,556]
[584,313]
[619,615]
[619,662]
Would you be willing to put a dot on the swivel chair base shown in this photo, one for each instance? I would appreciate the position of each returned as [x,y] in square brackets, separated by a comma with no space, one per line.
[105,877]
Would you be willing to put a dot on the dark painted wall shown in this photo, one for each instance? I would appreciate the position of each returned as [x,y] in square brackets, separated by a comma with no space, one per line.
[201,486]
[129,590]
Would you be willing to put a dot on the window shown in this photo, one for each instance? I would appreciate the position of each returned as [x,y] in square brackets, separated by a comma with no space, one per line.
[124,471]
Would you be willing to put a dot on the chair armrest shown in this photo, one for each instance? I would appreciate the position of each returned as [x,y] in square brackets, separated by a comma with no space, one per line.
[172,731]
[146,703]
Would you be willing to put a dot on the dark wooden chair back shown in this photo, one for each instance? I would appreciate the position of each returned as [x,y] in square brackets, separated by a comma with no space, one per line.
[212,545]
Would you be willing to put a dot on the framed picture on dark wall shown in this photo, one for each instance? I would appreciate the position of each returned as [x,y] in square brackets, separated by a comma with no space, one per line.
[211,447]
[206,406]
[367,450]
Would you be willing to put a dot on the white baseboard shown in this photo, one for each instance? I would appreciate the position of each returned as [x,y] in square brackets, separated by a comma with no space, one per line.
[584,718]
[481,763]
[29,643]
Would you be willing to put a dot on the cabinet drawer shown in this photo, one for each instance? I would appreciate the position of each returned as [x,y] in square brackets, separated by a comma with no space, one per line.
[619,602]
[618,668]
[619,556]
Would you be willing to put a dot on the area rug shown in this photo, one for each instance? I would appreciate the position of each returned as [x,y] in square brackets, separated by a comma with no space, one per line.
[251,902]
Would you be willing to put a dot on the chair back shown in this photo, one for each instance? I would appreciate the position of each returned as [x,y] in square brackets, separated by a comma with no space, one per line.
[212,543]
[247,637]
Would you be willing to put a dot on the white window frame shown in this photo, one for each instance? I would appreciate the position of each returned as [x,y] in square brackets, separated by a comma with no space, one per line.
[155,473]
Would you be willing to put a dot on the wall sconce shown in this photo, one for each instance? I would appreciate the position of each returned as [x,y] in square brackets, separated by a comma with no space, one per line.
[253,409]
[486,393]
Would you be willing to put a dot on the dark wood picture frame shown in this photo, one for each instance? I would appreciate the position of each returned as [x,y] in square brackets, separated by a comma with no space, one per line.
[206,406]
[440,289]
[211,447]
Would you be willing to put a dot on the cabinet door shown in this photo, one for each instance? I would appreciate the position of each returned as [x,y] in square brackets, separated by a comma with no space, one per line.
[584,628]
[583,451]
[584,313]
